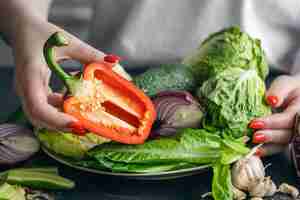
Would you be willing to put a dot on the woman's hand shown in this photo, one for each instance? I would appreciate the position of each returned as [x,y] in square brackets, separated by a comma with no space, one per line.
[32,74]
[276,130]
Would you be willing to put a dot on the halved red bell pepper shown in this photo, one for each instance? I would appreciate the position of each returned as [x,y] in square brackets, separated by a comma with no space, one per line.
[104,102]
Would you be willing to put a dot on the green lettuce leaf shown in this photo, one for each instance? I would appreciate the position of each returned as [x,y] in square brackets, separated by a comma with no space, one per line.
[69,144]
[233,98]
[11,192]
[233,149]
[190,146]
[227,48]
[105,164]
[221,185]
[142,168]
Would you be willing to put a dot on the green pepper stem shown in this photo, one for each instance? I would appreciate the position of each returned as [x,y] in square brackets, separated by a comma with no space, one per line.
[57,40]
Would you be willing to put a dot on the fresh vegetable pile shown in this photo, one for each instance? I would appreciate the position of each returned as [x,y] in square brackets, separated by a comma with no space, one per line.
[202,110]
[177,116]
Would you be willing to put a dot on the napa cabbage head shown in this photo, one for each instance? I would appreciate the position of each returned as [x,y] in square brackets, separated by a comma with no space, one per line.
[69,144]
[227,48]
[233,98]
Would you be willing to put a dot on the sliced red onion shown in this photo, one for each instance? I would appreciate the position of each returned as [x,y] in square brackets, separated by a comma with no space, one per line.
[17,143]
[175,109]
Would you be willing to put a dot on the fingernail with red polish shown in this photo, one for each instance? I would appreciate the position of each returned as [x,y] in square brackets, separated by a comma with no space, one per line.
[77,128]
[259,138]
[259,152]
[112,58]
[272,100]
[257,124]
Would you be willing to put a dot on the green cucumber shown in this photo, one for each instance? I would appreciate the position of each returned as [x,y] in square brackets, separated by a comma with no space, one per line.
[38,180]
[49,170]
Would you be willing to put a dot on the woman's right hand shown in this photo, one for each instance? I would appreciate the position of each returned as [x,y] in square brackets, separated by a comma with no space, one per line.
[276,130]
[32,74]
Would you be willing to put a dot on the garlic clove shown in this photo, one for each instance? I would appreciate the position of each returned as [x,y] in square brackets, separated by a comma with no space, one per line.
[256,198]
[264,188]
[258,190]
[270,187]
[238,194]
[289,189]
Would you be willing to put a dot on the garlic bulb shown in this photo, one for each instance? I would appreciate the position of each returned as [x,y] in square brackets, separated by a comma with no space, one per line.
[238,194]
[256,198]
[264,188]
[247,172]
[288,189]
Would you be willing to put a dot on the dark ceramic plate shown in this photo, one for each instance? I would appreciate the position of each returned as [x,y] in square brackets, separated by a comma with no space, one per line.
[146,176]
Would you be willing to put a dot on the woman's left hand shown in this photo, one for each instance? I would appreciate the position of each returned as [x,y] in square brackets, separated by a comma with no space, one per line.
[276,130]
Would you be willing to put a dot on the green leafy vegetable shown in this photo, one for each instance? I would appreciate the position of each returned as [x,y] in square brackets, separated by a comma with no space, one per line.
[198,147]
[221,185]
[237,145]
[189,148]
[69,144]
[233,98]
[227,48]
[11,192]
[142,168]
[233,149]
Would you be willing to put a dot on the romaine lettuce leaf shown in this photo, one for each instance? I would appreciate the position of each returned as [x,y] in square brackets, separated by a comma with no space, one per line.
[105,164]
[221,185]
[233,98]
[190,146]
[11,192]
[68,144]
[227,48]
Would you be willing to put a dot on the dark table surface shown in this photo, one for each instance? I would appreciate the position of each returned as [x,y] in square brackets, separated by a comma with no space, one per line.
[90,186]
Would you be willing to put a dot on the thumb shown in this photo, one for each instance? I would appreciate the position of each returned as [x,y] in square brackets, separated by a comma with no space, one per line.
[279,90]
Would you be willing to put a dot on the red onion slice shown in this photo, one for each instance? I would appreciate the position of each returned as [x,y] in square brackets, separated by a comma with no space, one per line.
[17,143]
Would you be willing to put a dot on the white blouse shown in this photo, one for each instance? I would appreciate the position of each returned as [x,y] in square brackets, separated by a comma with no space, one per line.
[149,32]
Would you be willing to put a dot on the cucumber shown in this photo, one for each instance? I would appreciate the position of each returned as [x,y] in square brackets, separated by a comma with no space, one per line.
[166,77]
[38,179]
[49,170]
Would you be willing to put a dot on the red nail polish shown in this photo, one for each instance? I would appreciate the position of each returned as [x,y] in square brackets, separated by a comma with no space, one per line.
[272,100]
[259,138]
[77,128]
[259,152]
[112,58]
[257,125]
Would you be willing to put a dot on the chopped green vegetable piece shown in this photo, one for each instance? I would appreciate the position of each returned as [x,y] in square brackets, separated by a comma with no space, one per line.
[37,179]
[50,170]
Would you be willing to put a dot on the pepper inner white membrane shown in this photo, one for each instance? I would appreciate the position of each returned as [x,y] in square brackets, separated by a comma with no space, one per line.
[102,104]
